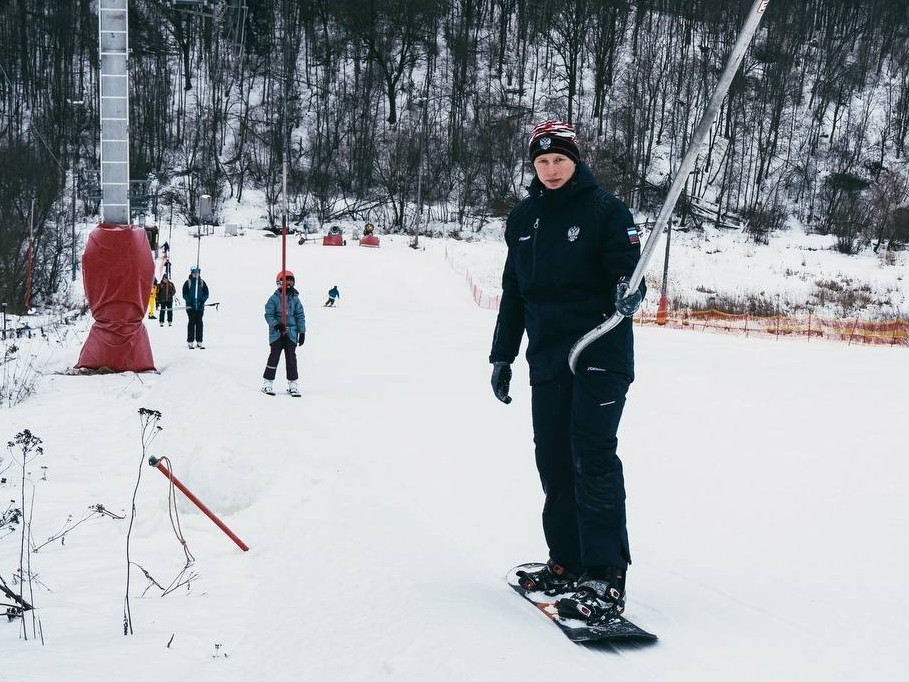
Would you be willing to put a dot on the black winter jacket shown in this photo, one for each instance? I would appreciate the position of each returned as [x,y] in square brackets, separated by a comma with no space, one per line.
[567,249]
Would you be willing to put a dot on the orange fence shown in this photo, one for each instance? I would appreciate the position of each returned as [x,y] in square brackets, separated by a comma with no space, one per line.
[889,333]
[483,298]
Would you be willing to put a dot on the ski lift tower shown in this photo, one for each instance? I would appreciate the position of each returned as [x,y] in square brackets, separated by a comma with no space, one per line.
[113,42]
[117,265]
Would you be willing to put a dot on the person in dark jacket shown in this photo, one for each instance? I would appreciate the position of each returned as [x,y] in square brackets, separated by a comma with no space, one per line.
[165,258]
[165,298]
[571,245]
[195,294]
[286,330]
[333,296]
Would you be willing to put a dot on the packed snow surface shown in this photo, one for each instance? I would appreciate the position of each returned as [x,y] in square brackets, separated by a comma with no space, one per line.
[766,496]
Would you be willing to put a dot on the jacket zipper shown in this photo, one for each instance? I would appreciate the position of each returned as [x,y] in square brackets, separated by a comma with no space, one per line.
[533,251]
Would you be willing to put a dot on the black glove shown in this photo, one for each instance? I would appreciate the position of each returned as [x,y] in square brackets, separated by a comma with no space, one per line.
[301,338]
[280,327]
[627,304]
[501,379]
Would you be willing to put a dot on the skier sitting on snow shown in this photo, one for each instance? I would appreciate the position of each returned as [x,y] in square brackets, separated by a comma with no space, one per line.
[284,335]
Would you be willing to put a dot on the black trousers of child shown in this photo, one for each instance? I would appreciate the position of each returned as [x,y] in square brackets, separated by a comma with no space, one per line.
[575,422]
[289,347]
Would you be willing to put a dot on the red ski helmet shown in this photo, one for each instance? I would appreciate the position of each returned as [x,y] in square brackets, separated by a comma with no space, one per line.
[284,274]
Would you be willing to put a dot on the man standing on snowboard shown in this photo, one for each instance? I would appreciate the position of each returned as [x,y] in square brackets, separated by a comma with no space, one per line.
[571,246]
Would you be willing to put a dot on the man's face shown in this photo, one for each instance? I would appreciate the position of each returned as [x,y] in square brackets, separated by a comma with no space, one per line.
[553,170]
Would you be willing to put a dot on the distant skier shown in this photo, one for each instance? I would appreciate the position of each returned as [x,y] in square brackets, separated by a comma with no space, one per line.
[152,304]
[195,294]
[165,297]
[165,257]
[333,296]
[284,336]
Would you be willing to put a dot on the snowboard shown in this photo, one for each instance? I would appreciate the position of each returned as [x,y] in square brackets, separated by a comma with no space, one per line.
[616,629]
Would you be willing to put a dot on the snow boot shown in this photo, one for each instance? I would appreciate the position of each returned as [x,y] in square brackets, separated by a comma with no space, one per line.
[293,389]
[595,600]
[553,578]
[268,387]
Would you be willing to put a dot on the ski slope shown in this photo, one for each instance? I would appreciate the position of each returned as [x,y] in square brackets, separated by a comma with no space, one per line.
[766,497]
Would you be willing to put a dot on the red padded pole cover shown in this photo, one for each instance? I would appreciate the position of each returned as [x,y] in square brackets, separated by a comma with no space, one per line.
[118,270]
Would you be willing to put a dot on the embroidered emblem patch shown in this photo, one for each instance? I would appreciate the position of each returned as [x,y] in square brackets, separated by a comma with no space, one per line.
[573,232]
[633,237]
[545,142]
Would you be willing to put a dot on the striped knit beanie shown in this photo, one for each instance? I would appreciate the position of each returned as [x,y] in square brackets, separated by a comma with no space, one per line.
[554,137]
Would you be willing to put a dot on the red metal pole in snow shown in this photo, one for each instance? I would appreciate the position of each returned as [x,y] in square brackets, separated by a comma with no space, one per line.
[159,465]
[284,247]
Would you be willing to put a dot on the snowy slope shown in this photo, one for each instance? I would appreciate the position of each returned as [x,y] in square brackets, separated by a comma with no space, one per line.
[382,510]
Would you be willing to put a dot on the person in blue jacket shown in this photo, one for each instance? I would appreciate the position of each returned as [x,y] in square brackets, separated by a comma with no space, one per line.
[195,294]
[571,246]
[286,330]
[333,296]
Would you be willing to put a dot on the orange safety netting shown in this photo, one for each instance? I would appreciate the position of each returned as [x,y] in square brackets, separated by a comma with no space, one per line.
[888,333]
[884,333]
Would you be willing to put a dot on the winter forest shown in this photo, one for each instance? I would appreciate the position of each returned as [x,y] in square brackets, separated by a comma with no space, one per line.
[388,108]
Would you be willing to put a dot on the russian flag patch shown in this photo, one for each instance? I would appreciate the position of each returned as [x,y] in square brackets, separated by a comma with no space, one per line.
[633,237]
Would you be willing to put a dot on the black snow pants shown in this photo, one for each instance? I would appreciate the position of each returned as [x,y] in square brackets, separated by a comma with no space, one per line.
[575,421]
[289,346]
[167,311]
[194,326]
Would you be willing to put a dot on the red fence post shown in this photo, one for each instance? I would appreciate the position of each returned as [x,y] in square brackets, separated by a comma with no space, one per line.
[159,465]
[662,310]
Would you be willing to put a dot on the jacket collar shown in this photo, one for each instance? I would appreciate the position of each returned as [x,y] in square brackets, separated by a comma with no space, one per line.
[581,180]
